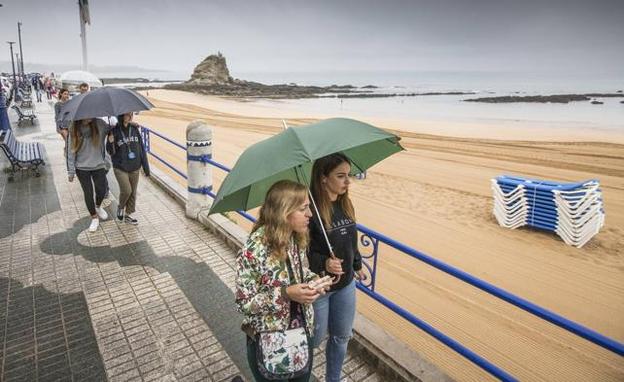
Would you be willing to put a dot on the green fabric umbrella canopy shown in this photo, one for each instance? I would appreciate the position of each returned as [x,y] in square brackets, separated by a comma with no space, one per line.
[291,154]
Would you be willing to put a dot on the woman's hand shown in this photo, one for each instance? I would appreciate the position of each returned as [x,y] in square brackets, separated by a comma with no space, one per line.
[302,293]
[360,275]
[321,284]
[333,265]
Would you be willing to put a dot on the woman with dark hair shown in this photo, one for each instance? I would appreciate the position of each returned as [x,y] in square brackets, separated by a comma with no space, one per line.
[86,159]
[126,149]
[273,289]
[335,311]
[61,126]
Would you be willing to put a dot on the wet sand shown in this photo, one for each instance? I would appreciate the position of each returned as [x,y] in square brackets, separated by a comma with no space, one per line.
[436,198]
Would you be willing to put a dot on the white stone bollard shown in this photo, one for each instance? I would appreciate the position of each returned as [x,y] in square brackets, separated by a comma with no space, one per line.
[198,150]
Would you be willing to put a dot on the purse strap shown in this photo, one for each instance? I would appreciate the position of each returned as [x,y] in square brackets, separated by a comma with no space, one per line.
[291,274]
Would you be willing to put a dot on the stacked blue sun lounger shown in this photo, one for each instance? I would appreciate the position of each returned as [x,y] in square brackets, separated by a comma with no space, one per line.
[572,210]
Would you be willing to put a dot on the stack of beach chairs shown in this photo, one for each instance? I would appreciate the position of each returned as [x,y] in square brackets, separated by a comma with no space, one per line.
[572,210]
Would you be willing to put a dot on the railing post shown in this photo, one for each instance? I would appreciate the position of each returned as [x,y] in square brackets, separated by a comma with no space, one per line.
[199,171]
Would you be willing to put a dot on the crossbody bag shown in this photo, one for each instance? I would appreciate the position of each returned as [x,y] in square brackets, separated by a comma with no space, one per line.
[284,354]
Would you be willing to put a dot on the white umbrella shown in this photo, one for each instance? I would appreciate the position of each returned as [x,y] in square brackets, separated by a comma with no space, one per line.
[76,77]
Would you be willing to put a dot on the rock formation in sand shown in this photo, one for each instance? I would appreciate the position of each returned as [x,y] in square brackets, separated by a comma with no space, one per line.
[212,76]
[212,70]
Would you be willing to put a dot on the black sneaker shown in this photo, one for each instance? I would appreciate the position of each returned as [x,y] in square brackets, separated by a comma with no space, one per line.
[130,220]
[120,214]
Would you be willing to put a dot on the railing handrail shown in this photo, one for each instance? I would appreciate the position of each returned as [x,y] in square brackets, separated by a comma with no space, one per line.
[523,304]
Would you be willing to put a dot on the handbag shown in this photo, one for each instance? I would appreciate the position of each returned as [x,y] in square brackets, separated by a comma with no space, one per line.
[284,354]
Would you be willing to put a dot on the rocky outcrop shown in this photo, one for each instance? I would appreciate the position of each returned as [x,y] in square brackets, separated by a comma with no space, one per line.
[212,77]
[556,98]
[211,71]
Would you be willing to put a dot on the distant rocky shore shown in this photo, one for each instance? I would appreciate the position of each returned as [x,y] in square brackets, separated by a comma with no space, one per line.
[212,77]
[556,98]
[124,80]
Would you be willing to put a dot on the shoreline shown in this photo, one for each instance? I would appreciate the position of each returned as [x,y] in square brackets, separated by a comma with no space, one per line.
[503,130]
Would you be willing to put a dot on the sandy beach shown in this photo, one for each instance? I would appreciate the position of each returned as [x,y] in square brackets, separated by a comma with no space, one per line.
[436,198]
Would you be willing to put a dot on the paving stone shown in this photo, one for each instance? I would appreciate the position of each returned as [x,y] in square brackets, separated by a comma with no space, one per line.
[123,303]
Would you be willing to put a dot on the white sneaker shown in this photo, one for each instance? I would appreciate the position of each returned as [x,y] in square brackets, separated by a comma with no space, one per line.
[95,223]
[131,220]
[101,213]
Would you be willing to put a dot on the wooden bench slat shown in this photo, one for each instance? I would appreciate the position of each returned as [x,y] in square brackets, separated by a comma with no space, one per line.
[21,153]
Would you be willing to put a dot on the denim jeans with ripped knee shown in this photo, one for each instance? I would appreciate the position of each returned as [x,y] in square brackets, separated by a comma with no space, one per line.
[334,314]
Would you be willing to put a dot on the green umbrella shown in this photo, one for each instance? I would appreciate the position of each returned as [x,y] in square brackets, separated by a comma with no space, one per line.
[291,153]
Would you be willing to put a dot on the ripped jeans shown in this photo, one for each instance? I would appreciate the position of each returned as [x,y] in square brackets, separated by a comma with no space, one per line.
[334,313]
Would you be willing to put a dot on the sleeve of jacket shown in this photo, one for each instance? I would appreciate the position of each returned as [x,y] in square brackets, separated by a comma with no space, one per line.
[144,159]
[253,298]
[71,155]
[318,252]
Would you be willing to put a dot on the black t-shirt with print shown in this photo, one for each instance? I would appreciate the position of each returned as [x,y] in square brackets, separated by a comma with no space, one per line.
[343,238]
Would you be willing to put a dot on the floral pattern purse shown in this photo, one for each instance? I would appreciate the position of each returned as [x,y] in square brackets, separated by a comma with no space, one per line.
[284,354]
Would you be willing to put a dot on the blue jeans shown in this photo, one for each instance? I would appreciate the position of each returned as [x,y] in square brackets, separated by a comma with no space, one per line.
[335,312]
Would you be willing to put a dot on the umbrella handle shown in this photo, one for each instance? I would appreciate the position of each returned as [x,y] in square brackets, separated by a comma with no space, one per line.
[336,278]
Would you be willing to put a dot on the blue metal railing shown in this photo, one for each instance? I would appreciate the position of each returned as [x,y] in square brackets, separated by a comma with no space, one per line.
[372,238]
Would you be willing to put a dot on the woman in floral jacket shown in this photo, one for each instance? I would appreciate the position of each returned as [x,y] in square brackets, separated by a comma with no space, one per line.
[267,294]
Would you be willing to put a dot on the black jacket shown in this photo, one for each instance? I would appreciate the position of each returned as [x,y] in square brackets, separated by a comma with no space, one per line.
[343,238]
[125,142]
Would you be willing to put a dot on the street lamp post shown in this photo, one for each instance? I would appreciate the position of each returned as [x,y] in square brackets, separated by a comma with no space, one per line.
[19,36]
[13,66]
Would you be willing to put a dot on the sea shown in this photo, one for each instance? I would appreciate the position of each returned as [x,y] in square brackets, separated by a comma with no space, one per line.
[451,108]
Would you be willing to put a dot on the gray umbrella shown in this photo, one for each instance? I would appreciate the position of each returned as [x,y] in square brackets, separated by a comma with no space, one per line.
[104,102]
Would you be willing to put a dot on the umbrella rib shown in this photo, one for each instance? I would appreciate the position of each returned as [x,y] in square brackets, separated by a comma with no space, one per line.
[307,154]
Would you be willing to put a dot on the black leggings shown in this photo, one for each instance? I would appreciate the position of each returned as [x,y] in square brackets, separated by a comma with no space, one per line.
[88,179]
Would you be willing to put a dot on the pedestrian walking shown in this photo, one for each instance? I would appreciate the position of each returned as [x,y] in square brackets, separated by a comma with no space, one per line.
[48,88]
[86,160]
[126,149]
[61,125]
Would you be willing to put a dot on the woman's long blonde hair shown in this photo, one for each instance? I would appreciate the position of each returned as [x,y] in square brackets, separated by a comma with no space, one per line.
[282,199]
[76,133]
[322,168]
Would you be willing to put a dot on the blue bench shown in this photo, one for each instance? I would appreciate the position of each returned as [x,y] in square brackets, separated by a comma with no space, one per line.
[24,115]
[21,155]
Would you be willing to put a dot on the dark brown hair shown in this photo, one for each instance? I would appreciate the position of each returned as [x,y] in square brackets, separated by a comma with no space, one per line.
[76,134]
[322,168]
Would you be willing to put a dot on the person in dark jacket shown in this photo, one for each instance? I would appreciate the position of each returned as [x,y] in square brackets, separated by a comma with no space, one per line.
[126,148]
[335,311]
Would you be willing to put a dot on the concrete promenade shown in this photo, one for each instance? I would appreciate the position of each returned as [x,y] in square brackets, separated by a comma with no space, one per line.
[152,302]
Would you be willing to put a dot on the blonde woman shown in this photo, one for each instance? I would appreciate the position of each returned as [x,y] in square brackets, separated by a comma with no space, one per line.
[86,150]
[273,289]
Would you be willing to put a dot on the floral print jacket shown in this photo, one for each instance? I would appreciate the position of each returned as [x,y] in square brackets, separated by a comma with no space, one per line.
[259,280]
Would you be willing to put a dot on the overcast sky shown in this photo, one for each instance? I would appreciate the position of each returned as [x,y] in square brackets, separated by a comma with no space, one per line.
[319,35]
